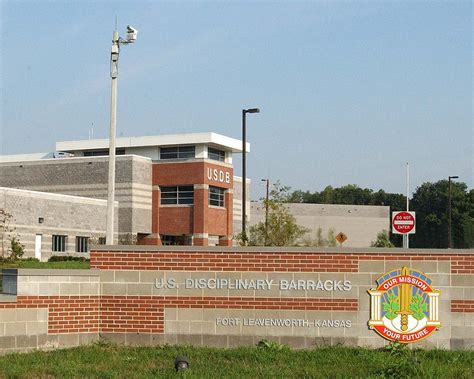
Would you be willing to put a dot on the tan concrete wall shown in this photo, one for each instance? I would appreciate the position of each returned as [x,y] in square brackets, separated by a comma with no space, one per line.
[360,223]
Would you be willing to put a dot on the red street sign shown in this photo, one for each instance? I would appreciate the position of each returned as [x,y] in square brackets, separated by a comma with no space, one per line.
[403,222]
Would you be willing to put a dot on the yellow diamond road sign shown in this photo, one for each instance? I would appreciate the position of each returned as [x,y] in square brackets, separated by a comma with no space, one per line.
[341,237]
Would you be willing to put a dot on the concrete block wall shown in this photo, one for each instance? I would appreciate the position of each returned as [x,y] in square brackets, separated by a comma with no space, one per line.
[184,314]
[360,223]
[50,309]
[46,214]
[156,295]
[87,177]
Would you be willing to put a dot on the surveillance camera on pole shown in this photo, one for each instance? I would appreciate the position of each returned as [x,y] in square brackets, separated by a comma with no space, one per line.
[114,58]
[131,34]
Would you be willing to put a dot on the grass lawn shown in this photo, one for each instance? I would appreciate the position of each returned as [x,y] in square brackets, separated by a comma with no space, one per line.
[34,264]
[114,361]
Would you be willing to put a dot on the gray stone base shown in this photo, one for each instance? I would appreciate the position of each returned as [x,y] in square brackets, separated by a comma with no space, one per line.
[21,344]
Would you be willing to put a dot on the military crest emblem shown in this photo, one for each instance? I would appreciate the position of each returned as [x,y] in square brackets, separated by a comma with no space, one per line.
[404,307]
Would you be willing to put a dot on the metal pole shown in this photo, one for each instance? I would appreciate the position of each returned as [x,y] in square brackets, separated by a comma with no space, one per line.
[266,214]
[112,132]
[244,173]
[449,214]
[407,236]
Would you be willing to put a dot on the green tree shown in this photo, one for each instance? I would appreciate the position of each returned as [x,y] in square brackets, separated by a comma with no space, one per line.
[383,240]
[331,240]
[319,240]
[17,249]
[430,202]
[282,229]
[6,231]
[352,194]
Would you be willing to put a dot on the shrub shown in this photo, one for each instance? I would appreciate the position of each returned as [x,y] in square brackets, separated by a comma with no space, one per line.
[64,258]
[383,240]
[17,249]
[30,259]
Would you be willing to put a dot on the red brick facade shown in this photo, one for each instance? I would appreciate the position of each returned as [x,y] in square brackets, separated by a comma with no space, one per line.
[145,314]
[66,314]
[124,312]
[463,306]
[192,222]
[255,261]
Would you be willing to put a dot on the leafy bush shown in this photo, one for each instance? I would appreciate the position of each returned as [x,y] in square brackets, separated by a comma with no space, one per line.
[64,258]
[17,248]
[30,259]
[383,240]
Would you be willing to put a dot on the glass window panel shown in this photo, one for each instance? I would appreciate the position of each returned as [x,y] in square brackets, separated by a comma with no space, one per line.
[59,243]
[216,196]
[177,195]
[215,154]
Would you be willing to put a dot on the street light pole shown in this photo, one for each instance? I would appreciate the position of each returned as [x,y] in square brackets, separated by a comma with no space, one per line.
[450,238]
[114,57]
[266,211]
[244,168]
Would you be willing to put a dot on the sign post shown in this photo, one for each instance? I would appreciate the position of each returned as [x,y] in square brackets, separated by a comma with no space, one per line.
[403,222]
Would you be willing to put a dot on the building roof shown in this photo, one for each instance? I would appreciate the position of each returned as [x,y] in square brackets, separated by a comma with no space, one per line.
[208,138]
[53,196]
[24,157]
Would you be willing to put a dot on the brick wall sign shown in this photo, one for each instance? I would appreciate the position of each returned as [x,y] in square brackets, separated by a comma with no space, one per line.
[238,296]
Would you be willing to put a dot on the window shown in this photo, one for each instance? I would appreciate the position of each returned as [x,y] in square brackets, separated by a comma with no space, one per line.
[177,195]
[104,152]
[169,240]
[178,152]
[59,243]
[216,196]
[82,244]
[217,155]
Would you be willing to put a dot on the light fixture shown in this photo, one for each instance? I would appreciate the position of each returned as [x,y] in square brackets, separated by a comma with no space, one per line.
[181,363]
[40,220]
[252,110]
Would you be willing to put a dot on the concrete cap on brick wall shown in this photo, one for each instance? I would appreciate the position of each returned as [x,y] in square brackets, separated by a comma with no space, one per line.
[267,250]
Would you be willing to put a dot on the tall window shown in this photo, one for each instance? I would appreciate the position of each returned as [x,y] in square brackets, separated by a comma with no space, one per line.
[216,196]
[59,243]
[216,154]
[178,152]
[177,195]
[82,244]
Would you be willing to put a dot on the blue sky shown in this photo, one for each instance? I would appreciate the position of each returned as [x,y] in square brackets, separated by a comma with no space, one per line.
[349,91]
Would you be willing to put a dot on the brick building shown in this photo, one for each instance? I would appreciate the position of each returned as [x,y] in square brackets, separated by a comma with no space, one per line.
[172,189]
